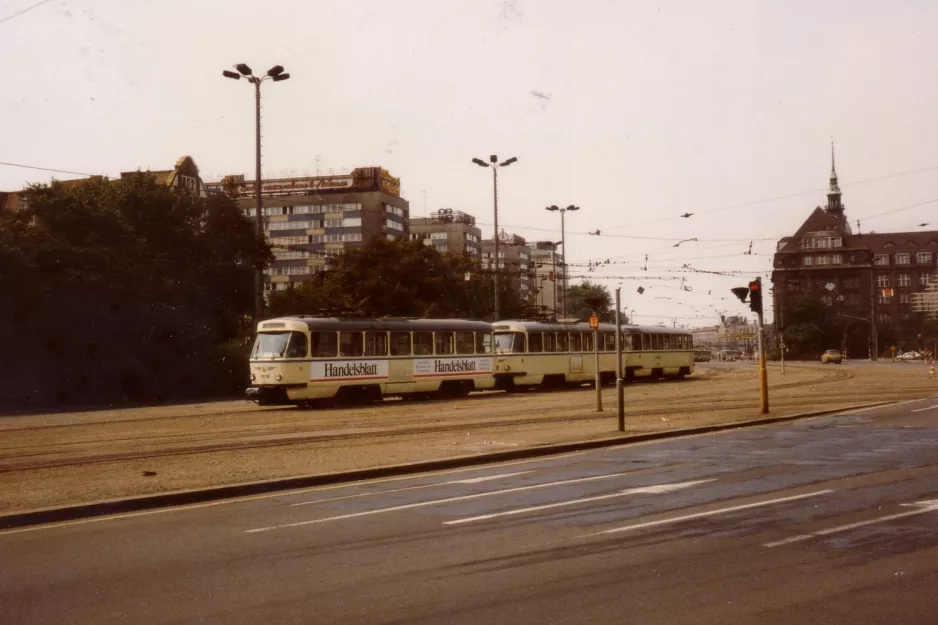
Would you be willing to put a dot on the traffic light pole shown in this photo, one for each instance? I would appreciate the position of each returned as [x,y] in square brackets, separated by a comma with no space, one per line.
[620,396]
[763,376]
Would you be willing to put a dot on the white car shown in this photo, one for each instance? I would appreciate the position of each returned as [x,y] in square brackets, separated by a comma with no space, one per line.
[910,356]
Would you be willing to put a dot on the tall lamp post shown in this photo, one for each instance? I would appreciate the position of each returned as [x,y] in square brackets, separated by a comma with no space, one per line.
[276,74]
[563,241]
[494,165]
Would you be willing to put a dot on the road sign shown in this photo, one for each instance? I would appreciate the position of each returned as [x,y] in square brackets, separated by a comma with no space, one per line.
[594,322]
[830,286]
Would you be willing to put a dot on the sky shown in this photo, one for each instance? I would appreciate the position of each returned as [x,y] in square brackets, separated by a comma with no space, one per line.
[637,112]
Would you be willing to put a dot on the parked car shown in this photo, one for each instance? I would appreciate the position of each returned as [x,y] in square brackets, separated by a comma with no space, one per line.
[910,356]
[832,356]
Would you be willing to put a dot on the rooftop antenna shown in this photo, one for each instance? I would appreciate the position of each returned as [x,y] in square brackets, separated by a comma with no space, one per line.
[318,161]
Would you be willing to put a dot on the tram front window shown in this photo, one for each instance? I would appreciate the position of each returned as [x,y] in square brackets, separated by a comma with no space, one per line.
[509,343]
[274,344]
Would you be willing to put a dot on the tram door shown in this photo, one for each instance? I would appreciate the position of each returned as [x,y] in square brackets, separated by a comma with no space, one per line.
[576,360]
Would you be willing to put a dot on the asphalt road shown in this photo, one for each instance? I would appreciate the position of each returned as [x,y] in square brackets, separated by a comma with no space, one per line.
[831,520]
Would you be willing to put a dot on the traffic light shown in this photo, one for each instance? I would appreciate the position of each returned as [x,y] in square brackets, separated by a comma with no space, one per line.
[753,292]
[755,296]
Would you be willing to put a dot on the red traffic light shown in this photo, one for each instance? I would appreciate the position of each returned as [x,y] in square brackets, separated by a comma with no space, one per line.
[754,286]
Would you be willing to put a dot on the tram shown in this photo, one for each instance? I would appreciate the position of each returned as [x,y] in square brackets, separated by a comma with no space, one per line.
[296,360]
[531,353]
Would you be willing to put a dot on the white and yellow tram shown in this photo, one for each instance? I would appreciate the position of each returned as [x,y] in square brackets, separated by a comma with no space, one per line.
[299,359]
[531,353]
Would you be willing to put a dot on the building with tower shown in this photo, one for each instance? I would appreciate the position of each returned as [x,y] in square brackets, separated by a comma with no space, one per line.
[862,277]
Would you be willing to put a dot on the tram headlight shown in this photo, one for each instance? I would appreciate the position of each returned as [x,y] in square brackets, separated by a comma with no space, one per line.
[507,367]
[278,377]
[253,377]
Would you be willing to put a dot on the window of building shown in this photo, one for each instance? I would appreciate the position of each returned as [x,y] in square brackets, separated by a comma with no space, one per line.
[394,210]
[923,258]
[822,260]
[442,248]
[881,259]
[794,285]
[837,259]
[903,298]
[808,261]
[882,280]
[345,222]
[851,283]
[923,279]
[439,235]
[827,299]
[393,225]
[903,258]
[853,299]
[884,318]
[904,279]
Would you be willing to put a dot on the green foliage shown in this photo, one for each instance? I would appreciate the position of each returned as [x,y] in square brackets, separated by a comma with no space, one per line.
[400,278]
[122,290]
[579,308]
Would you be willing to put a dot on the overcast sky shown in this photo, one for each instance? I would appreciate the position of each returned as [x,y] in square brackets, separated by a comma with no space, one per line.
[635,111]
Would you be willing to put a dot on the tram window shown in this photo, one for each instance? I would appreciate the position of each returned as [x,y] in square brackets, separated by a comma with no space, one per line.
[610,341]
[634,342]
[444,343]
[483,343]
[563,342]
[550,342]
[509,343]
[465,343]
[325,344]
[535,342]
[423,343]
[350,344]
[376,343]
[574,341]
[297,347]
[587,342]
[628,342]
[666,341]
[400,343]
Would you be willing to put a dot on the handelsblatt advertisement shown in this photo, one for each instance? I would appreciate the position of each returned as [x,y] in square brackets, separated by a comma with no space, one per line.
[440,367]
[348,370]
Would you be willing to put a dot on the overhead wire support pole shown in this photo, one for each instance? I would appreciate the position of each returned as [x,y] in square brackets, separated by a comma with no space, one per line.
[494,165]
[620,396]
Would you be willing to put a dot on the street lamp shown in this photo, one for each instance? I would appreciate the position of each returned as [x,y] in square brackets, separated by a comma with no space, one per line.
[275,74]
[563,239]
[494,164]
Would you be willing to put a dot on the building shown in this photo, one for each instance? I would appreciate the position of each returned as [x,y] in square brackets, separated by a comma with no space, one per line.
[549,271]
[183,175]
[312,219]
[449,231]
[860,276]
[514,262]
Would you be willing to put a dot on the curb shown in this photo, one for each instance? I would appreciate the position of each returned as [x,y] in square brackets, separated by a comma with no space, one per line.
[183,498]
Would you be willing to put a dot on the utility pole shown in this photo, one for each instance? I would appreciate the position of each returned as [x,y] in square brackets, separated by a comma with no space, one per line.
[874,356]
[620,395]
[494,165]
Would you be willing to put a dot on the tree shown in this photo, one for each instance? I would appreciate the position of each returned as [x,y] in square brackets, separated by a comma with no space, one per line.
[577,306]
[123,290]
[403,279]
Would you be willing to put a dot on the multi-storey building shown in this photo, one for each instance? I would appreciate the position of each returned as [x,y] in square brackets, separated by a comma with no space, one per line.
[310,220]
[449,231]
[183,175]
[549,273]
[514,263]
[864,276]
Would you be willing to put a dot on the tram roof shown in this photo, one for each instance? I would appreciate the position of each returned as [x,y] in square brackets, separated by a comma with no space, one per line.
[380,324]
[539,326]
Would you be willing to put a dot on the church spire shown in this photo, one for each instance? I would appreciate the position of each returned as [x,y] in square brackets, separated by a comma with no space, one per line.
[833,192]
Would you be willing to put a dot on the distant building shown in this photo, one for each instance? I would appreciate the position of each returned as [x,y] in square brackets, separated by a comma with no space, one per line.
[882,275]
[549,272]
[449,231]
[310,220]
[515,263]
[184,175]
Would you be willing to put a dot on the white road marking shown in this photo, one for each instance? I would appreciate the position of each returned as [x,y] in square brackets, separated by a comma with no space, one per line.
[434,502]
[487,478]
[642,490]
[471,480]
[697,515]
[924,409]
[929,505]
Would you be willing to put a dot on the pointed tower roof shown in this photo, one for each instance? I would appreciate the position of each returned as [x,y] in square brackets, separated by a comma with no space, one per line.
[834,205]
